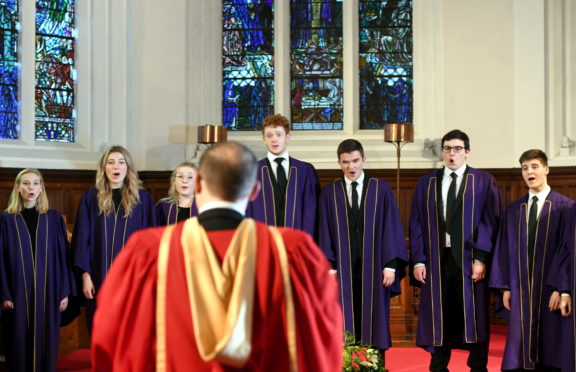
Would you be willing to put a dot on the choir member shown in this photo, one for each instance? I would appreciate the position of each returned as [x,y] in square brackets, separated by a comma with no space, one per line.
[35,276]
[362,236]
[453,228]
[529,237]
[290,187]
[107,215]
[179,204]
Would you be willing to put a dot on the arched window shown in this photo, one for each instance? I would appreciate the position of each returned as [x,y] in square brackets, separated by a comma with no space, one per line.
[248,63]
[9,69]
[55,114]
[385,65]
[317,34]
[55,76]
[316,45]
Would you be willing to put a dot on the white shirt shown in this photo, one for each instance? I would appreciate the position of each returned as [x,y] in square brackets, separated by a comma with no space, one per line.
[360,181]
[446,181]
[359,187]
[285,163]
[541,197]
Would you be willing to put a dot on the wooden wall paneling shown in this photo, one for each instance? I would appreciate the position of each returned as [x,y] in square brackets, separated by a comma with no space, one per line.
[65,188]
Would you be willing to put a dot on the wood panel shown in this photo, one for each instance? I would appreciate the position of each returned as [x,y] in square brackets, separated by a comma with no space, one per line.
[65,187]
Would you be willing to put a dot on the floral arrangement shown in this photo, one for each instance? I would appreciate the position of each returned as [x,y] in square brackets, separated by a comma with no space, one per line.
[360,358]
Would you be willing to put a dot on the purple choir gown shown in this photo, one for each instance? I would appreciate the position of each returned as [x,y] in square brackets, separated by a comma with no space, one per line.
[97,239]
[533,331]
[561,276]
[167,213]
[383,242]
[481,206]
[35,284]
[301,197]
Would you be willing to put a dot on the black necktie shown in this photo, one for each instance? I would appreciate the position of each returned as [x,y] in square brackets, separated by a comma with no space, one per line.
[450,200]
[355,206]
[281,175]
[532,225]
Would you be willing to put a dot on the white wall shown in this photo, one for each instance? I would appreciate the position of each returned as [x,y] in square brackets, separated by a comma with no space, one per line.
[150,72]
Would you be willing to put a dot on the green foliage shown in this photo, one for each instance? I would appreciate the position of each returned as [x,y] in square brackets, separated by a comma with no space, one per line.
[360,358]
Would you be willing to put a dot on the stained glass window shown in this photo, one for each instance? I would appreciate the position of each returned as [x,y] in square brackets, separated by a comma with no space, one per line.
[248,64]
[316,64]
[385,63]
[9,69]
[55,73]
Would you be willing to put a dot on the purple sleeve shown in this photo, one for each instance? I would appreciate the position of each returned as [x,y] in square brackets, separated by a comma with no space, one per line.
[394,242]
[66,285]
[160,214]
[81,244]
[487,230]
[417,254]
[148,209]
[5,293]
[310,203]
[560,276]
[324,234]
[499,270]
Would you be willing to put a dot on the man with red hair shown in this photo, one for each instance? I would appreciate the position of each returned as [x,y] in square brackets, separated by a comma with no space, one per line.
[290,187]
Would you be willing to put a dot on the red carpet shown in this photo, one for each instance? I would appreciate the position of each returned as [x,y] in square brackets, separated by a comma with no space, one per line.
[398,359]
[78,361]
[417,360]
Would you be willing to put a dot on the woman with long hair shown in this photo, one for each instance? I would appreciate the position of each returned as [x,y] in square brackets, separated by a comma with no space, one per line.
[35,275]
[107,215]
[179,204]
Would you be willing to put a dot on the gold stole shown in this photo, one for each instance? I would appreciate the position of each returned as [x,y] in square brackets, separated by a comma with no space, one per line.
[221,296]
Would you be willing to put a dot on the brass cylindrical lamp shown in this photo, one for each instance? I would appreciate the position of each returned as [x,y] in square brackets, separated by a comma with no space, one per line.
[398,135]
[211,134]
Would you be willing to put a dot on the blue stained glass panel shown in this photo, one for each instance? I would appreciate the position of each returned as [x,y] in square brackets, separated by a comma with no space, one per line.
[50,21]
[386,83]
[316,64]
[247,63]
[55,73]
[9,70]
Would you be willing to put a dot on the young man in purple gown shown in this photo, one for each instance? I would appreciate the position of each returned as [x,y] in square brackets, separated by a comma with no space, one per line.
[290,187]
[361,234]
[528,240]
[453,227]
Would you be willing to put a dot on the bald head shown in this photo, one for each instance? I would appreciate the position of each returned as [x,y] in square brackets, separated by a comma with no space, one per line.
[229,170]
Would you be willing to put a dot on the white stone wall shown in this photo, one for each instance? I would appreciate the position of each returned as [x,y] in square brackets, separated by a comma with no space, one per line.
[149,72]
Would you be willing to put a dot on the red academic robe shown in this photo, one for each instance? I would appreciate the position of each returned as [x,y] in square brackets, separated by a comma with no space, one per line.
[124,337]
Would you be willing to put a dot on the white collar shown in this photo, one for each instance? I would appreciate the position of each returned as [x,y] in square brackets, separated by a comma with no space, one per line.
[271,156]
[541,195]
[459,172]
[239,206]
[360,180]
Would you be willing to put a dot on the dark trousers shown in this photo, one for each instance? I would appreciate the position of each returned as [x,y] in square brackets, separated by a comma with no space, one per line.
[90,310]
[453,321]
[357,301]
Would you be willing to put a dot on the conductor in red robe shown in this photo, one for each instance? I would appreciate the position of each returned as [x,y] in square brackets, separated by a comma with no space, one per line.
[219,292]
